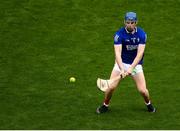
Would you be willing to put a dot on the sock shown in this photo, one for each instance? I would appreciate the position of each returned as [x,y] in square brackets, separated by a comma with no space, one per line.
[148,103]
[106,102]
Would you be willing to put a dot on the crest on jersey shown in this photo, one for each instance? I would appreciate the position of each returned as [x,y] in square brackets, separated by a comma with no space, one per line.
[116,38]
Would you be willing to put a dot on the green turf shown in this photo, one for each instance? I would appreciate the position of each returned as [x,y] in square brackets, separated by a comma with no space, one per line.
[44,42]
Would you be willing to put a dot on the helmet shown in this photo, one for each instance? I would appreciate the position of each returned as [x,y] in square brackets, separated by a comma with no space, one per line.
[131,16]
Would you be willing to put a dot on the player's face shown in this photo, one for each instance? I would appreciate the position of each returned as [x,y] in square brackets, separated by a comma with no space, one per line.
[130,25]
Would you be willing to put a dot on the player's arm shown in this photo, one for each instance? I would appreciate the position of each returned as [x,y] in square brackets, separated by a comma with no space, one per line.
[118,50]
[139,55]
[140,52]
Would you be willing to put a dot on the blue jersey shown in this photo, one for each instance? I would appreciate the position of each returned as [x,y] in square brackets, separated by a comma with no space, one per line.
[130,43]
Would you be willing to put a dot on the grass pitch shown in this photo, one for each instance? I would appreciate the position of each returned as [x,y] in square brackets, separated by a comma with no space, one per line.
[44,42]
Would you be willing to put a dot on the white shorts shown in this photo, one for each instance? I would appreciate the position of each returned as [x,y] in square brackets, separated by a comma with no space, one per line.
[136,70]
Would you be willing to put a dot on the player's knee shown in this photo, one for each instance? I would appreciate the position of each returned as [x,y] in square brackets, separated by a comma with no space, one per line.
[112,87]
[110,90]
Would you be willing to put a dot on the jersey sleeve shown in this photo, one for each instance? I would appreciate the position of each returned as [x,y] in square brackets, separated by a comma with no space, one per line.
[117,39]
[143,38]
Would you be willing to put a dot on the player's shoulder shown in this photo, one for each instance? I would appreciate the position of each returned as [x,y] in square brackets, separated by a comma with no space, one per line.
[120,31]
[140,31]
[142,34]
[118,35]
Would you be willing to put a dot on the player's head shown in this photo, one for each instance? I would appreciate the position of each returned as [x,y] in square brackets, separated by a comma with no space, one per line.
[130,21]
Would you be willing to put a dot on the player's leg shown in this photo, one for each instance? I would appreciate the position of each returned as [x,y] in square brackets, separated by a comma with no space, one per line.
[140,81]
[141,85]
[112,87]
[108,93]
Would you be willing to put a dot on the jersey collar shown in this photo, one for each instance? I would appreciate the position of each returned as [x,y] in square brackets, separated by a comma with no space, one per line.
[129,32]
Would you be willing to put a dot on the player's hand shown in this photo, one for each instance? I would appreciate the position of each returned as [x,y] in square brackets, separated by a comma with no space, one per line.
[123,74]
[129,71]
